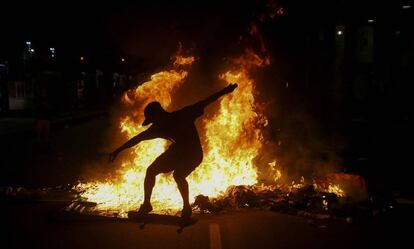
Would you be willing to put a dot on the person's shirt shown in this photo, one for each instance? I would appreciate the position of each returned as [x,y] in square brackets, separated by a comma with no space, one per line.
[178,126]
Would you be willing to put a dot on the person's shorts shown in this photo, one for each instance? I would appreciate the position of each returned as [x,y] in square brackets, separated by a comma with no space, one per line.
[181,160]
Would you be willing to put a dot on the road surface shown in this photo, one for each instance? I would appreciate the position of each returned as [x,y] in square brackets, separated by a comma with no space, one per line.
[31,226]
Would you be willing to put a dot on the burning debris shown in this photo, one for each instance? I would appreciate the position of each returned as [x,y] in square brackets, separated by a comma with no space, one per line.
[267,198]
[313,201]
[308,200]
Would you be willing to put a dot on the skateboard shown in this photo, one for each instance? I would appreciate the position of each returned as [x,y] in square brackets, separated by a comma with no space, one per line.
[161,219]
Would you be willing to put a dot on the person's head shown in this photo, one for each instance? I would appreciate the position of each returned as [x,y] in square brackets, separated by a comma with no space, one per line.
[152,112]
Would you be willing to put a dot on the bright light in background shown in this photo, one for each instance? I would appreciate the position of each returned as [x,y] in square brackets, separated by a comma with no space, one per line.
[123,60]
[371,20]
[32,50]
[82,58]
[29,46]
[280,11]
[340,30]
[406,6]
[52,50]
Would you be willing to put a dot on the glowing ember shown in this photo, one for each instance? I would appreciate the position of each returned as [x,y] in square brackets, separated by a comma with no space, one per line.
[335,189]
[274,171]
[231,137]
[179,60]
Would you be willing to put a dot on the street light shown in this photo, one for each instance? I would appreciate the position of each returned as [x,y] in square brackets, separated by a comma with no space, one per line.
[52,51]
[29,46]
[280,11]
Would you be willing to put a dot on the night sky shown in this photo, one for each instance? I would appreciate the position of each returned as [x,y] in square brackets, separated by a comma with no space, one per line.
[149,31]
[140,30]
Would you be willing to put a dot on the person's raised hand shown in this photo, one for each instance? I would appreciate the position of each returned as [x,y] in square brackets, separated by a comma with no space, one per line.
[230,88]
[112,156]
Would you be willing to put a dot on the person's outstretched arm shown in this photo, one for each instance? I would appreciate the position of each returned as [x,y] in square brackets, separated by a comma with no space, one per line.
[205,102]
[145,135]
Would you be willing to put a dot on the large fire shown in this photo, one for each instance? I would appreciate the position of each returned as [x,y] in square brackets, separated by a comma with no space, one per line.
[231,139]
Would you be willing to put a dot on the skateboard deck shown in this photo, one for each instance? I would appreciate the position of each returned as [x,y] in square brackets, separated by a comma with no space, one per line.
[161,219]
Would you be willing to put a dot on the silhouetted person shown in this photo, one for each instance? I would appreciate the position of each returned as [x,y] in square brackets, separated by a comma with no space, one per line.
[185,152]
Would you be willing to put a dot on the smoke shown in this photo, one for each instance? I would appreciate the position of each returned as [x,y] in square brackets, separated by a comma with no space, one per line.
[302,147]
[97,167]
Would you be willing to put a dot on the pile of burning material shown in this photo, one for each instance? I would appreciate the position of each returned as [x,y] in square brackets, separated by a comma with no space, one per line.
[323,199]
[320,200]
[236,197]
[268,198]
[62,193]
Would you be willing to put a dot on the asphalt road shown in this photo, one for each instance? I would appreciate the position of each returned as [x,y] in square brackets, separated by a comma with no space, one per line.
[31,226]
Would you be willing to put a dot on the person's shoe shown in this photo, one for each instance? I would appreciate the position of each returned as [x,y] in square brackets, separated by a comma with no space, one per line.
[145,209]
[186,212]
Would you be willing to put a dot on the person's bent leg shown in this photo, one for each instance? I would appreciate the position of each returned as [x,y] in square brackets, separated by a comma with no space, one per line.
[152,171]
[183,188]
[149,183]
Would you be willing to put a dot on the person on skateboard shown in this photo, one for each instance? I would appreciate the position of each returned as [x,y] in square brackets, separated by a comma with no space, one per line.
[185,152]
